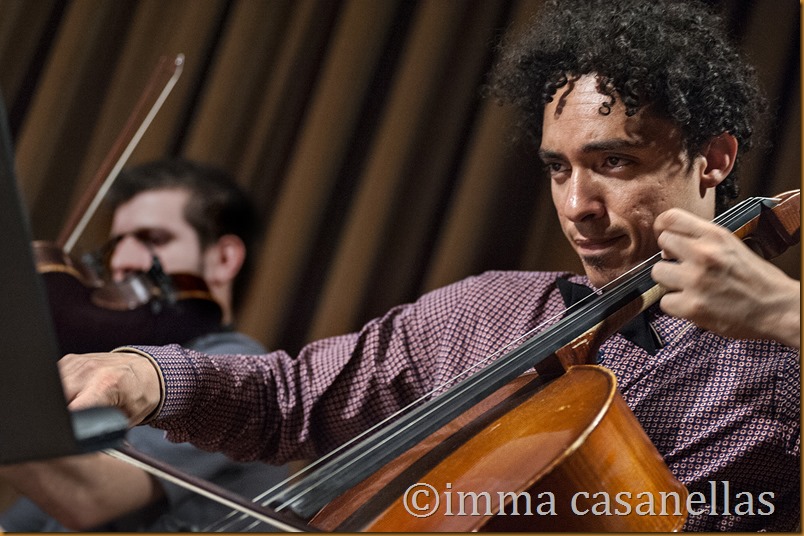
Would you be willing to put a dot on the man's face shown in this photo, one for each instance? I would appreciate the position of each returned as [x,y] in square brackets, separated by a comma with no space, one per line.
[152,223]
[611,175]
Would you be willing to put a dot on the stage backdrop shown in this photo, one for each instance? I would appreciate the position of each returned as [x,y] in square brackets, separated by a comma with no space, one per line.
[356,126]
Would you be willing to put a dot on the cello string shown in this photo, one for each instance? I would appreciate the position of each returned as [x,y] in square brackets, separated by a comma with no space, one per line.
[726,218]
[459,376]
[444,384]
[266,496]
[414,423]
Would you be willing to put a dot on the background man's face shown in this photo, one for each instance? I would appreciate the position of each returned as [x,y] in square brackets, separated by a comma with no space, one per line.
[151,223]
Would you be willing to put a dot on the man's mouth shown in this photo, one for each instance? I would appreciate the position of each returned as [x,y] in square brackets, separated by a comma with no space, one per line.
[592,246]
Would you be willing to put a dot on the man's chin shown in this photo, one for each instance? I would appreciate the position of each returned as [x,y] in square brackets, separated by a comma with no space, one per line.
[601,273]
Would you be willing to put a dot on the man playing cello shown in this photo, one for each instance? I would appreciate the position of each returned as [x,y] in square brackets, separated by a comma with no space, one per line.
[639,111]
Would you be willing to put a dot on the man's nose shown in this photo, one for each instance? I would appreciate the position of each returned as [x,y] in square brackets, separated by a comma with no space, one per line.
[129,256]
[583,200]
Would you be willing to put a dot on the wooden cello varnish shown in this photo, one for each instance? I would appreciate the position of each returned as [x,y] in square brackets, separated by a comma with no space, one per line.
[587,447]
[571,444]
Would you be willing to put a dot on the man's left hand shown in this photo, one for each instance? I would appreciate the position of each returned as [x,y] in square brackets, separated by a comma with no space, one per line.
[713,279]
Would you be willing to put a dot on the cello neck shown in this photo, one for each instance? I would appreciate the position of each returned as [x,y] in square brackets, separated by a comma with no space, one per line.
[573,339]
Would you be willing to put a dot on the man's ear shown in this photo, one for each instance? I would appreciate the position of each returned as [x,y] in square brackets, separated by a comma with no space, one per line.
[228,255]
[719,156]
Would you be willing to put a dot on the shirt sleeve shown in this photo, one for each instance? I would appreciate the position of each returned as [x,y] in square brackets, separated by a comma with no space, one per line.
[276,407]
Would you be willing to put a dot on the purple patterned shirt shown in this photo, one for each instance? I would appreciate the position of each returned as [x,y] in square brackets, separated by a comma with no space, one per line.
[724,413]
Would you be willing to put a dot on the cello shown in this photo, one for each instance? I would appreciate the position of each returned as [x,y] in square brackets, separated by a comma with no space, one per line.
[508,428]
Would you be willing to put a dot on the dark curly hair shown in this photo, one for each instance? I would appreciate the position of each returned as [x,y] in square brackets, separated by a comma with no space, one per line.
[670,55]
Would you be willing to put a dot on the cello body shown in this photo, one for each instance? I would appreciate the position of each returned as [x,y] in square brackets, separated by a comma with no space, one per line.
[567,455]
[506,449]
[472,457]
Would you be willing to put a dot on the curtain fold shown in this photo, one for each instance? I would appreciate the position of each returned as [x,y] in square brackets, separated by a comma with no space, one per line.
[356,126]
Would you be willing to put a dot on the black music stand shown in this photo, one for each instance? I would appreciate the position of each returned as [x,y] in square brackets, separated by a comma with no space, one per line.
[34,420]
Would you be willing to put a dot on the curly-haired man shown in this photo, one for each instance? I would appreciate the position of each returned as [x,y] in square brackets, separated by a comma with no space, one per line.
[638,110]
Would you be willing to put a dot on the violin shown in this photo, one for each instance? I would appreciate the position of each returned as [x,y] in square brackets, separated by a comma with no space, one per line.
[91,312]
[562,432]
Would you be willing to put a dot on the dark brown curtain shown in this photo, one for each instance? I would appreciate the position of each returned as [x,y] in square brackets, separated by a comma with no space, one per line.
[356,126]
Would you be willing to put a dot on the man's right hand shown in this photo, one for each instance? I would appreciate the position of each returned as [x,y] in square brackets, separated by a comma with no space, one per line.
[127,381]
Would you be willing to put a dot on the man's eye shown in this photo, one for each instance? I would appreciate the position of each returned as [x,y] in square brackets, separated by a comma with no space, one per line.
[615,161]
[154,237]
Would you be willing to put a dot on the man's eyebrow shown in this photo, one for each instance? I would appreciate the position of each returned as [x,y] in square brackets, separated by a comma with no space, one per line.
[139,232]
[549,155]
[612,145]
[596,146]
